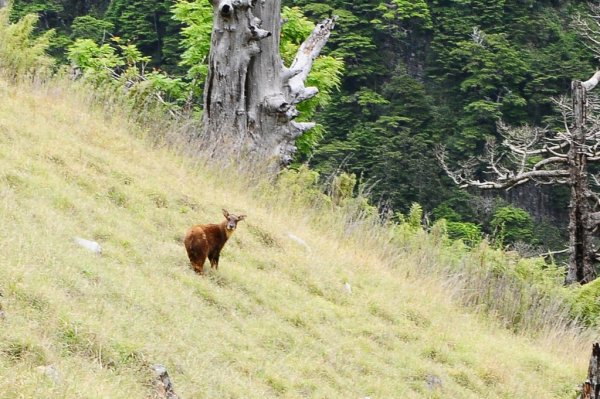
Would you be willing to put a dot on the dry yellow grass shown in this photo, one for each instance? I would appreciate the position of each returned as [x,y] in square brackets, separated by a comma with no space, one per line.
[275,321]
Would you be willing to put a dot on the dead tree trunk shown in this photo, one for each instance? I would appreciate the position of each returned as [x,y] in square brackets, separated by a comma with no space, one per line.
[581,223]
[545,157]
[591,387]
[250,96]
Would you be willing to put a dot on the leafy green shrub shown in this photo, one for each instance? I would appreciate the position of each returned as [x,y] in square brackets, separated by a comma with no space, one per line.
[414,219]
[348,194]
[122,67]
[302,186]
[94,59]
[22,54]
[511,225]
[444,211]
[415,215]
[342,187]
[550,236]
[461,206]
[196,16]
[469,233]
[586,302]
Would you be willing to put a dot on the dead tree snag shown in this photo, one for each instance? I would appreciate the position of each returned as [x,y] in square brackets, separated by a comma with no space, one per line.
[250,97]
[552,157]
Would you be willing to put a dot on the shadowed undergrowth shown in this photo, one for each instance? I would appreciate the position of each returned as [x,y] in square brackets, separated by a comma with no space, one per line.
[275,321]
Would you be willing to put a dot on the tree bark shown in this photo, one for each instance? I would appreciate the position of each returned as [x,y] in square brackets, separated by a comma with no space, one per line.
[591,387]
[162,383]
[581,220]
[3,3]
[250,96]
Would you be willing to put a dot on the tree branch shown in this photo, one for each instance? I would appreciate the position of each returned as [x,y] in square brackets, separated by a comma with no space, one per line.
[591,82]
[307,53]
[517,179]
[550,160]
[301,127]
[552,253]
[305,94]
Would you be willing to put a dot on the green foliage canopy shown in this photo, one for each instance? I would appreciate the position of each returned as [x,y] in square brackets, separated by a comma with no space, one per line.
[22,54]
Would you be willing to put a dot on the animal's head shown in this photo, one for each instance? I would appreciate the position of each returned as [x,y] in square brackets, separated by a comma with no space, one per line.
[232,220]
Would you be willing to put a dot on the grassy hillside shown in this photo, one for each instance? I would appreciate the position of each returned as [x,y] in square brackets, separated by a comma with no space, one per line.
[275,321]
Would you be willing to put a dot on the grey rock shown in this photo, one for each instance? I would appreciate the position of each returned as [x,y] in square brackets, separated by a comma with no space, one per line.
[89,245]
[49,371]
[163,384]
[434,382]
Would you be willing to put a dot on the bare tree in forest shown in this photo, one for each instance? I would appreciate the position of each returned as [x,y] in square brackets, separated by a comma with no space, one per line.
[531,154]
[250,97]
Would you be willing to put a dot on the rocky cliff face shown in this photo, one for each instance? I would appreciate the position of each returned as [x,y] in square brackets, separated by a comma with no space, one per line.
[543,203]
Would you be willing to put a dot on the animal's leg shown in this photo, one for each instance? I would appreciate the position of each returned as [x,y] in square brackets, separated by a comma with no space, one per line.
[198,263]
[198,267]
[214,261]
[197,255]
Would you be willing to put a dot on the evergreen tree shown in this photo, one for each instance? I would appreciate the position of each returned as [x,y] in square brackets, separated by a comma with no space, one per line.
[149,25]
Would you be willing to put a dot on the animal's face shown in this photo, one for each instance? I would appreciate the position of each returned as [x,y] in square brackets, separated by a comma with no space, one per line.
[232,220]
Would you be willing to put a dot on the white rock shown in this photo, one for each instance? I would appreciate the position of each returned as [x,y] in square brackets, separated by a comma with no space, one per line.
[348,287]
[49,371]
[89,245]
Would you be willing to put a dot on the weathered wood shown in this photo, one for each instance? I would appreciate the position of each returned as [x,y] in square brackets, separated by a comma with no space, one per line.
[250,96]
[591,82]
[582,257]
[302,64]
[591,387]
[162,383]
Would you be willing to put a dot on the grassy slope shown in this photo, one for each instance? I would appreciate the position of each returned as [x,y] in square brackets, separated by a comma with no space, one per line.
[275,320]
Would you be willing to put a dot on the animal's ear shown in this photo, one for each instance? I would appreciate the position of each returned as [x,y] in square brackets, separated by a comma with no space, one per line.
[241,217]
[225,213]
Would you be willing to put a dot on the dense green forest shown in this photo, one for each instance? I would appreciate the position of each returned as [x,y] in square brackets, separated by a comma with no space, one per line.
[415,73]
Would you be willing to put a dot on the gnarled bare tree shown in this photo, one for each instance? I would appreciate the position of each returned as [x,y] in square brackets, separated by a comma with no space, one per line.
[547,157]
[250,97]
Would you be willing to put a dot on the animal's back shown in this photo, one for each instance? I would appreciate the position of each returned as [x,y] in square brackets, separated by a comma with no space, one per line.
[200,238]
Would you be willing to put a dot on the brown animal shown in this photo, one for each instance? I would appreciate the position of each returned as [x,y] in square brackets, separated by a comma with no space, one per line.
[207,240]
